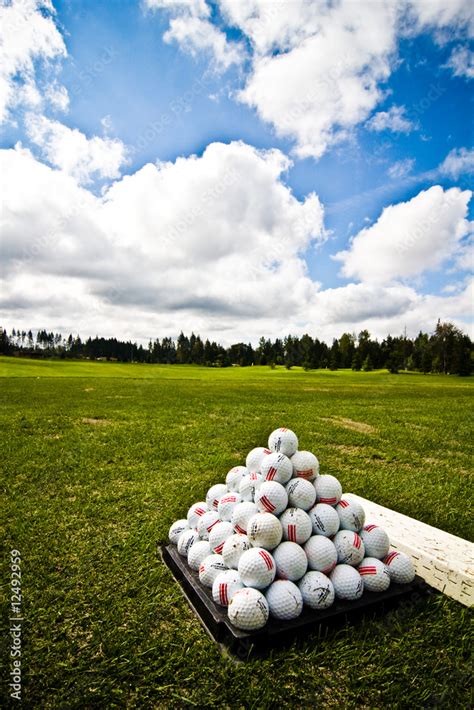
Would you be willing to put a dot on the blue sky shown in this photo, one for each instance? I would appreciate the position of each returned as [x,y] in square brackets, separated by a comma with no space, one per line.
[161,98]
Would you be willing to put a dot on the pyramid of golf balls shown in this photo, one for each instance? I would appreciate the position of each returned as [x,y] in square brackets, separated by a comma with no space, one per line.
[278,536]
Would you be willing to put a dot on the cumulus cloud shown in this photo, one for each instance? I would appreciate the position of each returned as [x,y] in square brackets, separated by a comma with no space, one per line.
[409,238]
[461,62]
[460,161]
[394,120]
[28,34]
[74,153]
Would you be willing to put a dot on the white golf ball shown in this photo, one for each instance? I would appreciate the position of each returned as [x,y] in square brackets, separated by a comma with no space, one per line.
[301,493]
[296,525]
[376,541]
[186,540]
[317,590]
[351,513]
[321,554]
[257,568]
[197,552]
[225,585]
[283,441]
[324,519]
[284,600]
[226,505]
[214,494]
[349,546]
[400,567]
[347,582]
[234,547]
[255,458]
[248,609]
[178,527]
[305,465]
[277,467]
[234,477]
[210,567]
[241,516]
[219,534]
[271,497]
[328,489]
[195,512]
[249,485]
[375,574]
[291,561]
[264,530]
[206,523]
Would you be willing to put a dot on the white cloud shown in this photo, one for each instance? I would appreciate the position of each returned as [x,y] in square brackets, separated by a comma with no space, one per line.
[460,161]
[195,35]
[401,168]
[28,34]
[461,62]
[409,237]
[456,15]
[394,120]
[74,153]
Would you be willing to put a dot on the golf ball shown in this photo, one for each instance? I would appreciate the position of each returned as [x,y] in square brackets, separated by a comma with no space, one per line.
[375,574]
[291,561]
[249,485]
[317,590]
[305,465]
[214,494]
[257,568]
[324,519]
[283,441]
[195,512]
[301,493]
[234,477]
[226,505]
[234,547]
[296,525]
[219,534]
[349,546]
[351,513]
[225,586]
[271,497]
[328,489]
[321,554]
[206,523]
[277,467]
[284,600]
[248,609]
[347,582]
[241,516]
[186,540]
[400,567]
[264,530]
[176,529]
[376,541]
[255,458]
[209,568]
[197,552]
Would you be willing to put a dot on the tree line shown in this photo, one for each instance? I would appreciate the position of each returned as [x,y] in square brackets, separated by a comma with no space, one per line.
[447,350]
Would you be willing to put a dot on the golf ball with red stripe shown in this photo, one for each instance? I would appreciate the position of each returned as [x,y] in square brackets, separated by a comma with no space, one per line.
[219,534]
[206,523]
[400,567]
[241,516]
[328,489]
[375,574]
[277,467]
[255,457]
[376,541]
[225,585]
[271,497]
[257,568]
[249,485]
[296,525]
[351,513]
[349,546]
[305,465]
[214,494]
[234,477]
[209,568]
[226,505]
[195,512]
[283,441]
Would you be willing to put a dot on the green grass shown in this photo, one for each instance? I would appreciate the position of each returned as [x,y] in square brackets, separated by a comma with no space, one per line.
[100,458]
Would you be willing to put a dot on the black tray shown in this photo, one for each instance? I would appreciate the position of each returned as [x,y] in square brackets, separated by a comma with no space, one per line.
[215,620]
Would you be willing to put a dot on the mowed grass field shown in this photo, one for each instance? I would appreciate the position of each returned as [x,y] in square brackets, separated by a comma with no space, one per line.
[99,459]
